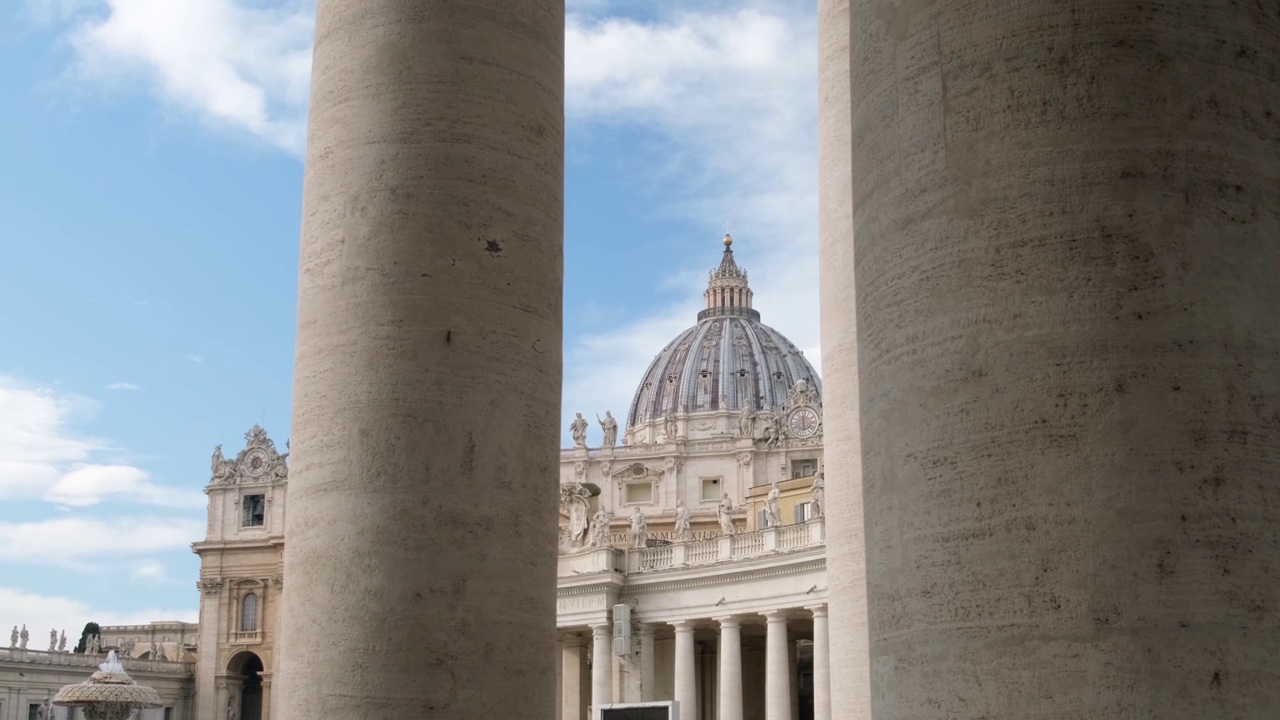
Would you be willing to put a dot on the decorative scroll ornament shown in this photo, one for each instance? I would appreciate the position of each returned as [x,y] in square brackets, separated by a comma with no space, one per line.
[210,586]
[258,462]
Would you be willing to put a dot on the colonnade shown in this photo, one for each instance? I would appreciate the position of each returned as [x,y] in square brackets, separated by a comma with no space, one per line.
[690,682]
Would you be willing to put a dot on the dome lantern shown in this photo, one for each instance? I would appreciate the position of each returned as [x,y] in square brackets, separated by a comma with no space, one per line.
[727,290]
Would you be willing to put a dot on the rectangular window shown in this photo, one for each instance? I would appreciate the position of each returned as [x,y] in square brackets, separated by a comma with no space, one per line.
[804,468]
[761,520]
[710,489]
[33,712]
[639,493]
[802,513]
[255,510]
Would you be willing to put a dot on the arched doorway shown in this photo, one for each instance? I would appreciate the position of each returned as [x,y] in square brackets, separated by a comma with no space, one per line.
[247,704]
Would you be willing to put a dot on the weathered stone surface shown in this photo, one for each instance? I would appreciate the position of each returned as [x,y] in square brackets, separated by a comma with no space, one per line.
[421,544]
[846,550]
[1066,220]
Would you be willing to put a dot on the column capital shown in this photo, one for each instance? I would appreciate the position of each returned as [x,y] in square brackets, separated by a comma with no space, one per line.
[777,616]
[682,625]
[817,610]
[573,639]
[728,620]
[601,629]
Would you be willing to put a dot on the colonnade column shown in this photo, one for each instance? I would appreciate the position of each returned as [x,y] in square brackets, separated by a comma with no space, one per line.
[601,667]
[428,363]
[686,680]
[730,700]
[571,678]
[777,680]
[1065,222]
[646,661]
[821,665]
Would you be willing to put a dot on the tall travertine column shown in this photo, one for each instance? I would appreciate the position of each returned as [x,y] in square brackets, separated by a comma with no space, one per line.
[1066,219]
[601,667]
[777,680]
[571,678]
[421,552]
[842,440]
[730,685]
[821,665]
[686,678]
[646,662]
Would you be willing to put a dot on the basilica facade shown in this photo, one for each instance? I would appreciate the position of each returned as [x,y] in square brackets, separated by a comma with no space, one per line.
[692,560]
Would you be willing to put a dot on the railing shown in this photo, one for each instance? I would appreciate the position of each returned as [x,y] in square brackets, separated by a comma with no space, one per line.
[70,659]
[748,544]
[652,559]
[702,552]
[793,536]
[246,637]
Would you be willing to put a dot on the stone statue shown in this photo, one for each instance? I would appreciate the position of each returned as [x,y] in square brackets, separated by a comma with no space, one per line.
[683,533]
[600,529]
[671,428]
[158,653]
[747,422]
[223,469]
[13,637]
[639,529]
[574,497]
[726,516]
[62,641]
[233,713]
[579,429]
[46,709]
[53,640]
[772,512]
[23,637]
[610,427]
[819,490]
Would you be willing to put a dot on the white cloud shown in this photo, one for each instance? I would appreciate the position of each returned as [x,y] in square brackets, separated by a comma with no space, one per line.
[734,94]
[40,613]
[123,386]
[246,68]
[195,358]
[149,571]
[91,484]
[41,455]
[85,543]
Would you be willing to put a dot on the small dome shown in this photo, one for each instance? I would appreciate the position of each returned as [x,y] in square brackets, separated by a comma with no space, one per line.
[729,360]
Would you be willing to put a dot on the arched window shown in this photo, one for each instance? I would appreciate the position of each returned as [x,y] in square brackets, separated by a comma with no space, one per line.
[249,613]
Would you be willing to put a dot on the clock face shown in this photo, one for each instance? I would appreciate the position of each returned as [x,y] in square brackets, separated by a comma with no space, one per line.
[255,463]
[803,422]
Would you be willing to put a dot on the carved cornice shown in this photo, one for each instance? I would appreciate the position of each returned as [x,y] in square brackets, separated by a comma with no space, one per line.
[815,565]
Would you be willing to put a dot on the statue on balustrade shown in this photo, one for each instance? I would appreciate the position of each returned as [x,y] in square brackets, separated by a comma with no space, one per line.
[23,638]
[772,512]
[639,529]
[600,529]
[726,516]
[62,641]
[13,637]
[683,532]
[610,427]
[819,490]
[579,429]
[53,640]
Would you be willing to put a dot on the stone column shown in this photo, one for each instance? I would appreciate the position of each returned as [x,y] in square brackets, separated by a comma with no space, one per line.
[1066,219]
[428,362]
[686,680]
[601,667]
[646,661]
[777,683]
[730,685]
[571,678]
[821,665]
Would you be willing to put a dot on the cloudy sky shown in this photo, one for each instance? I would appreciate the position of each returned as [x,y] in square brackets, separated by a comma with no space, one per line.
[150,177]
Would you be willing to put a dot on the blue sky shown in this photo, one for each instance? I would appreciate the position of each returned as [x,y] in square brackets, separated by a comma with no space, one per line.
[150,177]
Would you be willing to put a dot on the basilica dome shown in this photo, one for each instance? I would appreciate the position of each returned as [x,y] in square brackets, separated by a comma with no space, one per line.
[727,361]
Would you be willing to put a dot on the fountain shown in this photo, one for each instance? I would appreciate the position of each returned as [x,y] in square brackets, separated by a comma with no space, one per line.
[109,694]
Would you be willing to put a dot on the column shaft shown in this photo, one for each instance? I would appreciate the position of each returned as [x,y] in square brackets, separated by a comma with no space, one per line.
[428,363]
[646,661]
[571,678]
[730,700]
[777,682]
[601,668]
[1065,220]
[821,665]
[686,681]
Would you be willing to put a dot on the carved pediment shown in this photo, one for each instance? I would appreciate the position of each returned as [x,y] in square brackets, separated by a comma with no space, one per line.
[258,462]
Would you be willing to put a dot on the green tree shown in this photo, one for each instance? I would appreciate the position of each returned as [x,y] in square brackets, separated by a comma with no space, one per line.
[89,630]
